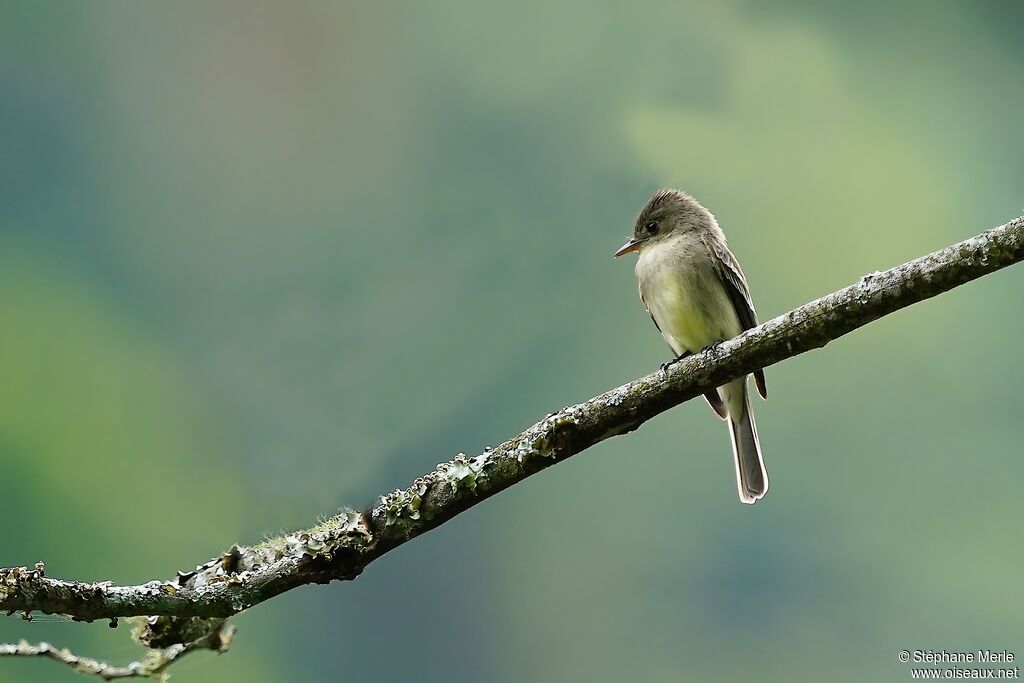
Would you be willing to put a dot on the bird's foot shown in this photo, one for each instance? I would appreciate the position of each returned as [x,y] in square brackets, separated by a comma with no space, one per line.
[663,372]
[713,347]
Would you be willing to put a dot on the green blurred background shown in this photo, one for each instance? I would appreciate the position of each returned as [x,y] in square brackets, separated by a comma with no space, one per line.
[261,260]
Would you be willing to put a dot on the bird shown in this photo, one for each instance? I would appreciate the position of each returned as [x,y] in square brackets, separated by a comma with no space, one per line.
[695,292]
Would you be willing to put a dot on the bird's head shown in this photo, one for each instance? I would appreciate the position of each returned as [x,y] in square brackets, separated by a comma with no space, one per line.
[667,213]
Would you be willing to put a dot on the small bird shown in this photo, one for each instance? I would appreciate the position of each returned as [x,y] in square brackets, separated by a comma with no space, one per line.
[696,294]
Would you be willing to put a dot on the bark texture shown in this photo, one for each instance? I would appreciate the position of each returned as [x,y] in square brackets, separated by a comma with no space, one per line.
[189,607]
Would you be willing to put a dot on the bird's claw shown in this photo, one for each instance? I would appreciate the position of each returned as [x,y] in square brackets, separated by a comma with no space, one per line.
[663,372]
[713,347]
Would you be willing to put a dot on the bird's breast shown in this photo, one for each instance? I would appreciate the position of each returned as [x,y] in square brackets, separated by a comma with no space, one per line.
[684,293]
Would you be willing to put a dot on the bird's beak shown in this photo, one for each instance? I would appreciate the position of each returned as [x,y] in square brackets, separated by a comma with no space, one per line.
[629,246]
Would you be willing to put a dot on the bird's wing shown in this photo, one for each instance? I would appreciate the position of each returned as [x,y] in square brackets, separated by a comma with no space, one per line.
[732,276]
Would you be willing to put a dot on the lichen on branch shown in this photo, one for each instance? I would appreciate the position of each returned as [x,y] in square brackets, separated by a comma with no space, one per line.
[194,604]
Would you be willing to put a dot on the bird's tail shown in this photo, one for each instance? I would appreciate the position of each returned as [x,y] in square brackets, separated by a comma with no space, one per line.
[751,476]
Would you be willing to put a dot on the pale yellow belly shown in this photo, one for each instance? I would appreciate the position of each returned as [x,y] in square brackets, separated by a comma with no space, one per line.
[690,304]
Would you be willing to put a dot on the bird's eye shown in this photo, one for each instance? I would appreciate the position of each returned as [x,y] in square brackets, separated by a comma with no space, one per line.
[651,227]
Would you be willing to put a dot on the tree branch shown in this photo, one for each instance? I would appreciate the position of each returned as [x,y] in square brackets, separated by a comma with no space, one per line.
[183,609]
[153,666]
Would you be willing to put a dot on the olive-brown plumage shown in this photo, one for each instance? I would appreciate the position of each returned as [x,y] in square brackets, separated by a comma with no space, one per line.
[695,291]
